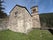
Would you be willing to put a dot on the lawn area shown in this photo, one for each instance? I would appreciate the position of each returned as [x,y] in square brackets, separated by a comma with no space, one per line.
[33,35]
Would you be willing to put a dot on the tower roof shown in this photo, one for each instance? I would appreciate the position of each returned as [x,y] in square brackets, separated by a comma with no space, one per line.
[34,6]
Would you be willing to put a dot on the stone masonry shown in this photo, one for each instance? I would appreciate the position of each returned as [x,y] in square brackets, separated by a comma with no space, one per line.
[20,19]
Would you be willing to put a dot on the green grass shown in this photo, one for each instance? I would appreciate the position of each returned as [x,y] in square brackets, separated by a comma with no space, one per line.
[33,35]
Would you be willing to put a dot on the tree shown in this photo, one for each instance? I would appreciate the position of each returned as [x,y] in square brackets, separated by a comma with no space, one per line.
[2,13]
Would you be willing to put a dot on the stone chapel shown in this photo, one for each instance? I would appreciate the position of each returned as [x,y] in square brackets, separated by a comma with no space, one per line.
[21,20]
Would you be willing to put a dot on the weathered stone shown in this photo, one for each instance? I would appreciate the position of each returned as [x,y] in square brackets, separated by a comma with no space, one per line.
[3,24]
[20,20]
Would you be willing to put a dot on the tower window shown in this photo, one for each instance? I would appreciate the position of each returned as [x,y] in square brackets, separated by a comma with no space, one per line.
[34,10]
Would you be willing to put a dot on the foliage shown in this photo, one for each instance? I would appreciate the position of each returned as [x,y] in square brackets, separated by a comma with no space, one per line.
[47,18]
[2,13]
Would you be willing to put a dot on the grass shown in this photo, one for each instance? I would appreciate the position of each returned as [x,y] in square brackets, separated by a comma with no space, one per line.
[33,35]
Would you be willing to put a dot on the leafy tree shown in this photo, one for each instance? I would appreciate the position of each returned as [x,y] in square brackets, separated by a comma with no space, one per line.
[2,13]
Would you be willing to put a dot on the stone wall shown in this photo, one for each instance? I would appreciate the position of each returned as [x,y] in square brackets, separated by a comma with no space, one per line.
[3,24]
[21,21]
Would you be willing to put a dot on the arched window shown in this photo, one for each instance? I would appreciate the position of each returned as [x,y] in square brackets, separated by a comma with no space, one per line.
[34,10]
[16,13]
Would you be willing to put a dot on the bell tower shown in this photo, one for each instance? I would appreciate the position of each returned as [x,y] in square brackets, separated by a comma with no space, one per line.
[35,17]
[34,10]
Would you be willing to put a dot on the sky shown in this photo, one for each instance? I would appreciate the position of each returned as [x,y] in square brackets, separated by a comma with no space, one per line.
[44,6]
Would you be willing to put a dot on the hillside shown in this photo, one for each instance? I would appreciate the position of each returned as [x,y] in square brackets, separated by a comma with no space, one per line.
[47,19]
[33,35]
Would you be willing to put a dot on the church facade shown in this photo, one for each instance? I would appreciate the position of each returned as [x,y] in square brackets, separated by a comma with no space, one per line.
[20,19]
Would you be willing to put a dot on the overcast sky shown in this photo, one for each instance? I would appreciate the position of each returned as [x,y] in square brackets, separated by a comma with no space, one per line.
[44,5]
